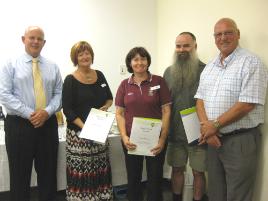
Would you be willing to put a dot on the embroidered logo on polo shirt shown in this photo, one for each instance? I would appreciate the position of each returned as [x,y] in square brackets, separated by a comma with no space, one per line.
[103,85]
[150,92]
[152,89]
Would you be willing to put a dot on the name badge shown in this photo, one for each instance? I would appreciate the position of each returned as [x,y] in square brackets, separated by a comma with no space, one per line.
[103,85]
[155,88]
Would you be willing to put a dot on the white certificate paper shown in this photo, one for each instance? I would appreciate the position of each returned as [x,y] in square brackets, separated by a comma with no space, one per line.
[97,125]
[145,134]
[191,124]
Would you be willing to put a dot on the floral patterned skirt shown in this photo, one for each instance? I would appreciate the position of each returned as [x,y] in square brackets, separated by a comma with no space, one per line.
[88,170]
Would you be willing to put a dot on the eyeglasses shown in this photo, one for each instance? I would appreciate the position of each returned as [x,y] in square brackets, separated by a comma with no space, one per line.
[226,33]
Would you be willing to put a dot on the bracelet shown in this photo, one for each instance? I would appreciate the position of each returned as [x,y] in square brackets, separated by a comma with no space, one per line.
[216,124]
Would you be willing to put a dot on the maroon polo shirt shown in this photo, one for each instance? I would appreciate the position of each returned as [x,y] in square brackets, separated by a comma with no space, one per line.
[144,100]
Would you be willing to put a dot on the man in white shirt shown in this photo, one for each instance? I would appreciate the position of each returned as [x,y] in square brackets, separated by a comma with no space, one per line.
[230,107]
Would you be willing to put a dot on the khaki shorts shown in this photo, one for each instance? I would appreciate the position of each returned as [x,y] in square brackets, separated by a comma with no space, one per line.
[177,156]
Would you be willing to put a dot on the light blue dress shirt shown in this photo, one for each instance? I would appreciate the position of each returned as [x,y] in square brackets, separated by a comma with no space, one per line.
[16,86]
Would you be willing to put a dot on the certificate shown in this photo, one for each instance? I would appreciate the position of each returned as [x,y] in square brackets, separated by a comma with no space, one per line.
[97,125]
[191,125]
[145,134]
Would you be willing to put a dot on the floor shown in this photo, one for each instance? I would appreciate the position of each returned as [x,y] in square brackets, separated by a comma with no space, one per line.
[119,194]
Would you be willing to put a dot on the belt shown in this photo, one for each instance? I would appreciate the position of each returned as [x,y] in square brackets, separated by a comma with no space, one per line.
[15,117]
[237,132]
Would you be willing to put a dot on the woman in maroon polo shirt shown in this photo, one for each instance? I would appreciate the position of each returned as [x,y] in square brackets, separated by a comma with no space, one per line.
[143,95]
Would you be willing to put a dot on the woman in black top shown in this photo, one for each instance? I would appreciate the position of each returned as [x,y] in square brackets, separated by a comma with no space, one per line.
[88,167]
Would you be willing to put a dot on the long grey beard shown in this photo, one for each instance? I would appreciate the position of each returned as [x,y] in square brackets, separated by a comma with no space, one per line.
[184,73]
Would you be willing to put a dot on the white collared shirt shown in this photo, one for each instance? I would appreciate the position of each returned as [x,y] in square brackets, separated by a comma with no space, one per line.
[241,78]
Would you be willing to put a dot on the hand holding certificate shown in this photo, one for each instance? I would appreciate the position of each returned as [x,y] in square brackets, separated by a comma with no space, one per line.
[97,125]
[191,124]
[145,134]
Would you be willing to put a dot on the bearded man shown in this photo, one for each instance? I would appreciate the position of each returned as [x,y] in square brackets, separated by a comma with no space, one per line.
[183,79]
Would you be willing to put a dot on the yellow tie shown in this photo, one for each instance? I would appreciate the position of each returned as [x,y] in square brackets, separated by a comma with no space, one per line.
[40,97]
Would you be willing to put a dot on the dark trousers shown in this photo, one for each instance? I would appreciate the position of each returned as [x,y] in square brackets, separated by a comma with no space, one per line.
[25,145]
[154,169]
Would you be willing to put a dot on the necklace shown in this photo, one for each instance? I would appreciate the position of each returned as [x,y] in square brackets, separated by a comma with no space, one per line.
[86,76]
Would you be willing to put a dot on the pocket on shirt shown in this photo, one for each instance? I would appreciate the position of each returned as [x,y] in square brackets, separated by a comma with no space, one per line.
[231,86]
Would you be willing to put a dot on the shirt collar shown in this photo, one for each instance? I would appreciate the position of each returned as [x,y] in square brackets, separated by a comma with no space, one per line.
[227,60]
[28,58]
[131,79]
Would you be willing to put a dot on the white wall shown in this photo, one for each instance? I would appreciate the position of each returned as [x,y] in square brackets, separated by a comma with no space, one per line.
[199,17]
[112,27]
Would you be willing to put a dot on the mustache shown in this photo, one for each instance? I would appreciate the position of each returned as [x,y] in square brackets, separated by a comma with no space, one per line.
[183,56]
[183,53]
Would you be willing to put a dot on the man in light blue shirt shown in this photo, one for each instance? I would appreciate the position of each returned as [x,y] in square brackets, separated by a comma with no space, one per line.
[31,132]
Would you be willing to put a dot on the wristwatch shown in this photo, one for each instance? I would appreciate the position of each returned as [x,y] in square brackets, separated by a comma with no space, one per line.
[216,124]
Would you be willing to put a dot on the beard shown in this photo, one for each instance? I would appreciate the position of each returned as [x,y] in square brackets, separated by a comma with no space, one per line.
[184,71]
